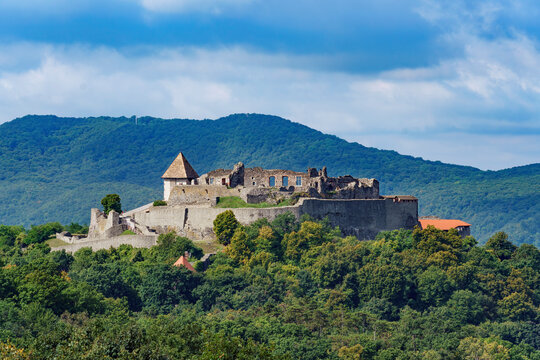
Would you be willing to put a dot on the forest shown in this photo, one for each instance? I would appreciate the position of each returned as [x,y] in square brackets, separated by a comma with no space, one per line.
[47,162]
[284,289]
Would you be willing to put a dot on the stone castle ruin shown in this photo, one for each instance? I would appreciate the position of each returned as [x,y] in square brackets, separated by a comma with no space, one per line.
[352,204]
[182,185]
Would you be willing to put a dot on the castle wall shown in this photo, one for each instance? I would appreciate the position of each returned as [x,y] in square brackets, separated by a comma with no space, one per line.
[261,177]
[363,218]
[360,218]
[137,241]
[102,225]
[200,194]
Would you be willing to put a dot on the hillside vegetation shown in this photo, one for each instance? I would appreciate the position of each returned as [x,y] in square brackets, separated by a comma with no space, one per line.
[279,290]
[56,169]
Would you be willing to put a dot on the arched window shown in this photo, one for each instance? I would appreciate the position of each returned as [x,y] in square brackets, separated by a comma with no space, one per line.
[285,181]
[272,181]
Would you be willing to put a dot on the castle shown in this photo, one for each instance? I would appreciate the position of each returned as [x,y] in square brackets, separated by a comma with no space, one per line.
[192,204]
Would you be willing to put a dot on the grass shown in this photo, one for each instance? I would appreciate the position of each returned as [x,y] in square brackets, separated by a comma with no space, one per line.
[209,246]
[128,232]
[236,202]
[54,242]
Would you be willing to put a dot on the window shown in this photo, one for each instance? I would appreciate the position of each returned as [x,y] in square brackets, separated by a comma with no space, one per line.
[285,181]
[211,180]
[223,181]
[298,181]
[272,181]
[254,183]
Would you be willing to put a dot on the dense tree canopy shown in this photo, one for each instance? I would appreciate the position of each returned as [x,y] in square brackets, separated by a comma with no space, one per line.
[279,290]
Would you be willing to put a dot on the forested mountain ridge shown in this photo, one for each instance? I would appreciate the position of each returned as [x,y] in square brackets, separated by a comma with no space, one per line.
[55,169]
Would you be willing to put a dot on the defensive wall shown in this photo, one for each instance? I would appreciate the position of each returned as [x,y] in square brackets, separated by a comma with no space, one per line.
[137,241]
[360,218]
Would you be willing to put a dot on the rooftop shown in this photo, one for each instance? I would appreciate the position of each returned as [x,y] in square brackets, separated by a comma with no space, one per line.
[182,261]
[442,224]
[180,169]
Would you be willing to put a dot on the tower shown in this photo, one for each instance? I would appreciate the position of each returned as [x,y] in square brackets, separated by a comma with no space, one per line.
[180,172]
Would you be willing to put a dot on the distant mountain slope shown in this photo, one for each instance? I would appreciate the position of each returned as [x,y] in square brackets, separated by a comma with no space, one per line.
[55,169]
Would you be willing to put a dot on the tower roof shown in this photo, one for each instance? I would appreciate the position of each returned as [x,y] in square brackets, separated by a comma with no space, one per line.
[180,168]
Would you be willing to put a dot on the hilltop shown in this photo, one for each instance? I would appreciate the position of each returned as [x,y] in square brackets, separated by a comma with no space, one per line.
[55,169]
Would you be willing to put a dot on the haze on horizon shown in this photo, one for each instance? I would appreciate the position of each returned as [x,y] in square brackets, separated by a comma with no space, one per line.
[455,81]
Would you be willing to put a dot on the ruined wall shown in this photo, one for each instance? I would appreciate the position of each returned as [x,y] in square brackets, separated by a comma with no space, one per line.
[261,177]
[137,241]
[102,226]
[360,218]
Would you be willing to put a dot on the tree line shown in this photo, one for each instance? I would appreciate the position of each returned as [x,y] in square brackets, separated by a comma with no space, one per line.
[281,289]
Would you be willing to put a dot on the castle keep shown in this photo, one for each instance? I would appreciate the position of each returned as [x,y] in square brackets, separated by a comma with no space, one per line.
[352,204]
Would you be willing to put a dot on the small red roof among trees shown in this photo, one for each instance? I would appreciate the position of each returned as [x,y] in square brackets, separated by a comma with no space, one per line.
[442,224]
[182,261]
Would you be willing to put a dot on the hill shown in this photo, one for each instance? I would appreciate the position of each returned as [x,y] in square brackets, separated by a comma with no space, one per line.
[55,169]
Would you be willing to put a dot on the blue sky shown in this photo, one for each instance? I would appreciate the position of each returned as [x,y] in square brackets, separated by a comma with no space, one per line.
[456,81]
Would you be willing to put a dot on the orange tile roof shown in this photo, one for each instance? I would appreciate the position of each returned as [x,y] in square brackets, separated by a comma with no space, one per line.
[442,224]
[182,261]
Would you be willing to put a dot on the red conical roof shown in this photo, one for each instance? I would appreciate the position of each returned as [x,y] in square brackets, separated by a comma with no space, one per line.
[182,261]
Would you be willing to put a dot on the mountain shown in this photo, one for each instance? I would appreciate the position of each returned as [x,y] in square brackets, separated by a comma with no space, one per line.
[56,169]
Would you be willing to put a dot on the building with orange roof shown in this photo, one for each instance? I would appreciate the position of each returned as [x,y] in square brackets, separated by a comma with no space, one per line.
[463,228]
[183,261]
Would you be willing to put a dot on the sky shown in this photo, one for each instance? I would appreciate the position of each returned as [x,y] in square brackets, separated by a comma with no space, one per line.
[455,81]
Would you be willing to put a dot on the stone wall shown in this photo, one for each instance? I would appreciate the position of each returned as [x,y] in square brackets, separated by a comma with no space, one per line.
[261,177]
[314,182]
[200,194]
[137,241]
[105,226]
[360,218]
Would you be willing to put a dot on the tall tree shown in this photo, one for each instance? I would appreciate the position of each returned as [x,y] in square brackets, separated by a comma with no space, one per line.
[111,202]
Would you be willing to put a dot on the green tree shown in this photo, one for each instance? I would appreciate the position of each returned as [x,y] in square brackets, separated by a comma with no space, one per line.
[109,279]
[384,282]
[8,234]
[499,245]
[516,306]
[239,248]
[467,307]
[171,246]
[40,233]
[111,202]
[434,286]
[225,225]
[165,286]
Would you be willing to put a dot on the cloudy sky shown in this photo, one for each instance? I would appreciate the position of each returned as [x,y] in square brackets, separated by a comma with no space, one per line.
[456,81]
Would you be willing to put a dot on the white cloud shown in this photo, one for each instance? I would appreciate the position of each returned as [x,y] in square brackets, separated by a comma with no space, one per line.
[467,111]
[213,6]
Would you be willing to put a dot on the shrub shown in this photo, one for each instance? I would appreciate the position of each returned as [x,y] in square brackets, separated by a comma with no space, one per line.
[160,203]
